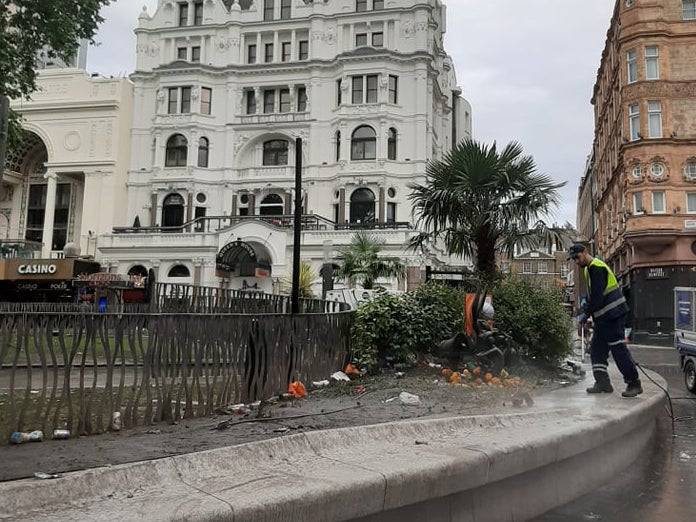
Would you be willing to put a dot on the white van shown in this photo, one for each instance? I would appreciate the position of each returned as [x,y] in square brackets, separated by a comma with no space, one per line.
[685,332]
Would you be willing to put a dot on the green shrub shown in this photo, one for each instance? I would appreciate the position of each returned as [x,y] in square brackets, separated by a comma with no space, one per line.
[399,328]
[534,318]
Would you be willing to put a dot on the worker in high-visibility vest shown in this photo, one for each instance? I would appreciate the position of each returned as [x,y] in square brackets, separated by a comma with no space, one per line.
[607,307]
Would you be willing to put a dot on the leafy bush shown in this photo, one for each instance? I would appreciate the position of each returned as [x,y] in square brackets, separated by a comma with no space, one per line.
[534,318]
[399,327]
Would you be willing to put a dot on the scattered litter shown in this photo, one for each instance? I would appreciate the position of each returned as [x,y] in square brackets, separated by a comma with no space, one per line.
[684,456]
[391,399]
[320,384]
[18,437]
[419,442]
[153,432]
[399,375]
[360,389]
[281,430]
[350,369]
[116,420]
[61,434]
[340,376]
[592,516]
[42,475]
[409,399]
[433,365]
[297,389]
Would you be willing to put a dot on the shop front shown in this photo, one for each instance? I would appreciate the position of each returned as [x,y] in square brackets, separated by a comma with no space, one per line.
[42,280]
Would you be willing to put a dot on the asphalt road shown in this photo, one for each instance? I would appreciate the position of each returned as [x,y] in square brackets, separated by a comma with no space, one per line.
[660,486]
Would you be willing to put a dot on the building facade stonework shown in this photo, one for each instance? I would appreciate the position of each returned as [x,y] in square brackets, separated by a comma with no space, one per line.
[225,92]
[642,183]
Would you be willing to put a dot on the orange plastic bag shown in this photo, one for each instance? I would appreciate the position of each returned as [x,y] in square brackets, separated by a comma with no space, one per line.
[351,370]
[297,389]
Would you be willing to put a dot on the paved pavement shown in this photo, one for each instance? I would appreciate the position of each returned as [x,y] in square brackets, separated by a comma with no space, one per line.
[660,485]
[455,469]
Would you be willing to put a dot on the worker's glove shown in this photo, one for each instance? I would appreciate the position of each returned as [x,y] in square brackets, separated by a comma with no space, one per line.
[582,318]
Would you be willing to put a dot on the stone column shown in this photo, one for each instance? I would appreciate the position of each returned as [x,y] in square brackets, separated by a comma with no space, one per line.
[381,204]
[49,215]
[341,205]
[153,209]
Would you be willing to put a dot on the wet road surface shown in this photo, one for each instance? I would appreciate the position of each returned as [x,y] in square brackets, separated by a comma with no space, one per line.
[661,486]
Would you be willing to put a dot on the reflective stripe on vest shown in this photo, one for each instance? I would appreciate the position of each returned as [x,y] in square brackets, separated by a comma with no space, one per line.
[613,296]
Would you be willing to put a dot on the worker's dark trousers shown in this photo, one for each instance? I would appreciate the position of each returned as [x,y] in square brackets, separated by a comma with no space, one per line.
[608,337]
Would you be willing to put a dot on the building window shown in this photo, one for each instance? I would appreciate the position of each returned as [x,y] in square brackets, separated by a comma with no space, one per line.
[173,211]
[632,64]
[268,52]
[198,13]
[363,143]
[657,170]
[637,172]
[179,271]
[634,121]
[377,39]
[250,102]
[339,97]
[637,203]
[690,170]
[364,89]
[206,100]
[182,53]
[542,268]
[303,50]
[378,5]
[360,5]
[195,54]
[183,14]
[36,213]
[251,53]
[338,145]
[393,89]
[361,40]
[652,65]
[285,9]
[527,267]
[285,105]
[658,202]
[271,205]
[691,202]
[179,100]
[203,151]
[689,10]
[285,52]
[275,152]
[177,150]
[654,119]
[362,206]
[391,144]
[268,101]
[564,270]
[301,99]
[391,212]
[268,8]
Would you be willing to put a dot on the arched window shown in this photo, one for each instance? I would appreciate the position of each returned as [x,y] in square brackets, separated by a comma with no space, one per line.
[391,144]
[275,152]
[203,147]
[338,145]
[271,205]
[362,206]
[177,149]
[173,211]
[363,143]
[138,270]
[179,271]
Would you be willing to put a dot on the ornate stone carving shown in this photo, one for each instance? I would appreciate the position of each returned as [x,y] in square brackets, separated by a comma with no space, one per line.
[72,141]
[242,139]
[407,29]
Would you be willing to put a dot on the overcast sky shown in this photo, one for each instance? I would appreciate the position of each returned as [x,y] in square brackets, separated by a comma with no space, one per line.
[527,68]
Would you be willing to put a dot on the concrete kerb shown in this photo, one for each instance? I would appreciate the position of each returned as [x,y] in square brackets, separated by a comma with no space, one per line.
[371,473]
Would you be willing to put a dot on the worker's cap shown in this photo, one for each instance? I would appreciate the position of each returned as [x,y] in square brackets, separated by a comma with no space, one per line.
[574,250]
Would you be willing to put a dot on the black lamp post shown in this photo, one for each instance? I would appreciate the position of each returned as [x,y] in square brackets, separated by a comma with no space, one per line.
[297,228]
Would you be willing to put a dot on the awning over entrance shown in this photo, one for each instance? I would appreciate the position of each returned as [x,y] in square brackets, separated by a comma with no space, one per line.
[244,259]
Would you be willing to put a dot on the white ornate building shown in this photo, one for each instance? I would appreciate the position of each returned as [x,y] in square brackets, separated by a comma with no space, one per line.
[223,89]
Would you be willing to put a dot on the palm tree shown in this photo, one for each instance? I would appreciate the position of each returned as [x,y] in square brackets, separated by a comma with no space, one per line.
[307,278]
[360,262]
[480,201]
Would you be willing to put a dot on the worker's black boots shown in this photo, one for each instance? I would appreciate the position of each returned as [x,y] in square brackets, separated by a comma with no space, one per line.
[633,389]
[603,386]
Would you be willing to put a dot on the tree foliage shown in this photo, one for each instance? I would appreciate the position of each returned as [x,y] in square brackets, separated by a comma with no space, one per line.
[361,262]
[308,276]
[480,201]
[30,26]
